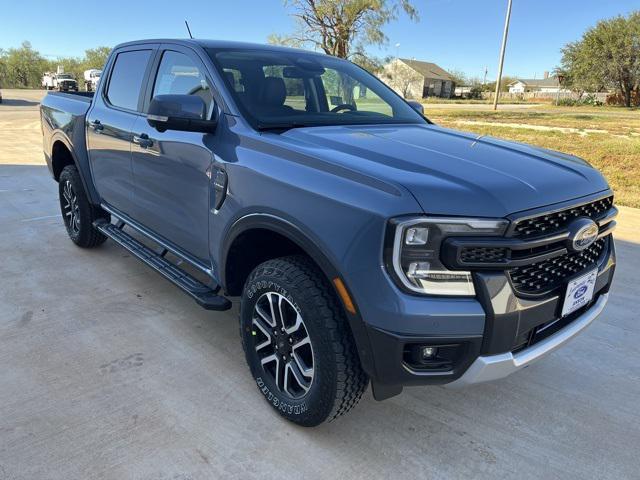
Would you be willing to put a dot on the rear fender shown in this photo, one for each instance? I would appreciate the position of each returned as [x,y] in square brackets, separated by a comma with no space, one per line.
[80,159]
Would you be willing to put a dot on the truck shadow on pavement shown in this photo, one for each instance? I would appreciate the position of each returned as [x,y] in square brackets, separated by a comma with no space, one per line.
[18,102]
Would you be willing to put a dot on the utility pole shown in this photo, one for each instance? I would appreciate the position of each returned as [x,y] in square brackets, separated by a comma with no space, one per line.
[502,50]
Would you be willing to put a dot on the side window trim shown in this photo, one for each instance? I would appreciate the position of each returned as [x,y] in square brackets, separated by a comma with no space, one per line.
[153,48]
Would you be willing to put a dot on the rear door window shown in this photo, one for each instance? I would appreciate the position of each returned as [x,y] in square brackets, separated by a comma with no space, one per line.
[125,83]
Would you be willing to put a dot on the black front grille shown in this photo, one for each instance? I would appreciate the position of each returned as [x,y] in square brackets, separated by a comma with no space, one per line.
[543,277]
[549,223]
[483,254]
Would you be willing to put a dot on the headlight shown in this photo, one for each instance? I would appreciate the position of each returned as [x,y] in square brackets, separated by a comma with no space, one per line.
[414,255]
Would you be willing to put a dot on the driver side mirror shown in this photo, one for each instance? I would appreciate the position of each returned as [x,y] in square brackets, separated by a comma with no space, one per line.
[417,106]
[185,113]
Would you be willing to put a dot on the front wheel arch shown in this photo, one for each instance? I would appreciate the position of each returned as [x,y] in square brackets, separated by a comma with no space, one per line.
[297,243]
[269,224]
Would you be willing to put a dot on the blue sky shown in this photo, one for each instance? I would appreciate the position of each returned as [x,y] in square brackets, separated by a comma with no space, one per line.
[460,34]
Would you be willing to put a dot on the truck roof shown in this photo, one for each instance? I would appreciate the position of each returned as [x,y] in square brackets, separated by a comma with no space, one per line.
[204,43]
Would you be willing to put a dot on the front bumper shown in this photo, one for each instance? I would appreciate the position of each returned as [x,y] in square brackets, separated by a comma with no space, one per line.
[494,367]
[512,333]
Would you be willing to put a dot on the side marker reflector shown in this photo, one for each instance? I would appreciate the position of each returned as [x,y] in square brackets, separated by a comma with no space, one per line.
[344,295]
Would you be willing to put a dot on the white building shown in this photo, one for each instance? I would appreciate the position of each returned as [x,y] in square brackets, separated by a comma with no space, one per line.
[547,84]
[416,79]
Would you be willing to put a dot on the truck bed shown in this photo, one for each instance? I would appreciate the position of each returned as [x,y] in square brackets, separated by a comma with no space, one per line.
[63,122]
[82,96]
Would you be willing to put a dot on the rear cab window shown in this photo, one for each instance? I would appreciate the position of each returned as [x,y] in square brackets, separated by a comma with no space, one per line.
[127,77]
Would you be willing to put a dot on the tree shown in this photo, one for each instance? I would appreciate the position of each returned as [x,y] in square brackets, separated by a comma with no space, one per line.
[23,66]
[458,77]
[3,67]
[341,27]
[607,55]
[96,57]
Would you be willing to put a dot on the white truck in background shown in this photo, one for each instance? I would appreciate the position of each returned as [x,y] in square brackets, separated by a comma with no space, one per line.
[63,82]
[91,79]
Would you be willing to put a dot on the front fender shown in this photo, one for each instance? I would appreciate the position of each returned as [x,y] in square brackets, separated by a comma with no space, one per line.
[314,249]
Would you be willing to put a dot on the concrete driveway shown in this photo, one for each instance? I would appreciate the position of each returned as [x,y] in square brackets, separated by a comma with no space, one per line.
[109,372]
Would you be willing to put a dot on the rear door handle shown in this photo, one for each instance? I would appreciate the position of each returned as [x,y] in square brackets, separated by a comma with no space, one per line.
[97,126]
[142,140]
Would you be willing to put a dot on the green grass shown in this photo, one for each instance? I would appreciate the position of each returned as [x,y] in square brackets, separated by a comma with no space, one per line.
[615,152]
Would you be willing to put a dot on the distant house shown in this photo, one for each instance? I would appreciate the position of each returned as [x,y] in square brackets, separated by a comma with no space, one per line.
[547,84]
[417,79]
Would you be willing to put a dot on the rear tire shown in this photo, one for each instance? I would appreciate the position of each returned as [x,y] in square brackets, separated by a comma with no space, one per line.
[301,353]
[78,213]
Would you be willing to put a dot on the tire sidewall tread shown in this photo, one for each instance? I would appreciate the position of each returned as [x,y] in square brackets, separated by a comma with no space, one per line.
[88,236]
[339,380]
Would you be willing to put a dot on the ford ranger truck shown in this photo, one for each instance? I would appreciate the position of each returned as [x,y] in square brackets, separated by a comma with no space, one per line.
[362,242]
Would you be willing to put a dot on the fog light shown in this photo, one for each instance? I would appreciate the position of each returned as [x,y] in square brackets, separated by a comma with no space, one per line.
[429,352]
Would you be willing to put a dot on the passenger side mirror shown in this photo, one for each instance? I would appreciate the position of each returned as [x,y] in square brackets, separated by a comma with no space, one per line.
[417,106]
[187,113]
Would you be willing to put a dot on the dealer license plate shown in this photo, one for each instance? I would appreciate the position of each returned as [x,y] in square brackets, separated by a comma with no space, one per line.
[579,292]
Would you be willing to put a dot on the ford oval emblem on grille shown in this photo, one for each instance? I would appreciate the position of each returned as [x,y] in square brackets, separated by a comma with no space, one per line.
[582,233]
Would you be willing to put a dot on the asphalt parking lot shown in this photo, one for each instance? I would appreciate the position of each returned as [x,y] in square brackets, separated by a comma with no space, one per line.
[109,372]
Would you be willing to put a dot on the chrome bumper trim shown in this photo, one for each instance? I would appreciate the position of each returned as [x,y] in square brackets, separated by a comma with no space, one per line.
[493,367]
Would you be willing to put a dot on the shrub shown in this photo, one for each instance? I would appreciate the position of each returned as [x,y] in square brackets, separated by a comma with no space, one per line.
[567,102]
[475,92]
[618,99]
[590,100]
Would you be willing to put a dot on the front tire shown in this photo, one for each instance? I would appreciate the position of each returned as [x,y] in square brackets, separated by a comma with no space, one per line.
[297,342]
[78,213]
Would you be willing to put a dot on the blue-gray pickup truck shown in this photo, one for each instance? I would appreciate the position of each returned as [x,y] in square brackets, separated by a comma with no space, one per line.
[364,243]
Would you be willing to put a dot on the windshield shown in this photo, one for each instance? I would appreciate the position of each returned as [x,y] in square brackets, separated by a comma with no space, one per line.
[290,89]
[64,76]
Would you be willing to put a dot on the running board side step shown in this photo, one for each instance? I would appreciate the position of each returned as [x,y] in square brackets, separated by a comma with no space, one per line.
[205,296]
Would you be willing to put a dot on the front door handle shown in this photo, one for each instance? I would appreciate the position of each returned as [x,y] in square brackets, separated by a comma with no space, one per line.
[97,126]
[142,140]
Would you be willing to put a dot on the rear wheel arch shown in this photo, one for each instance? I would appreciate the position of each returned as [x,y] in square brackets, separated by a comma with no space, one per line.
[61,156]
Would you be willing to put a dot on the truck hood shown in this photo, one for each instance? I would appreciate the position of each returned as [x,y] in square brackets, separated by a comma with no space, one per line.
[451,172]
